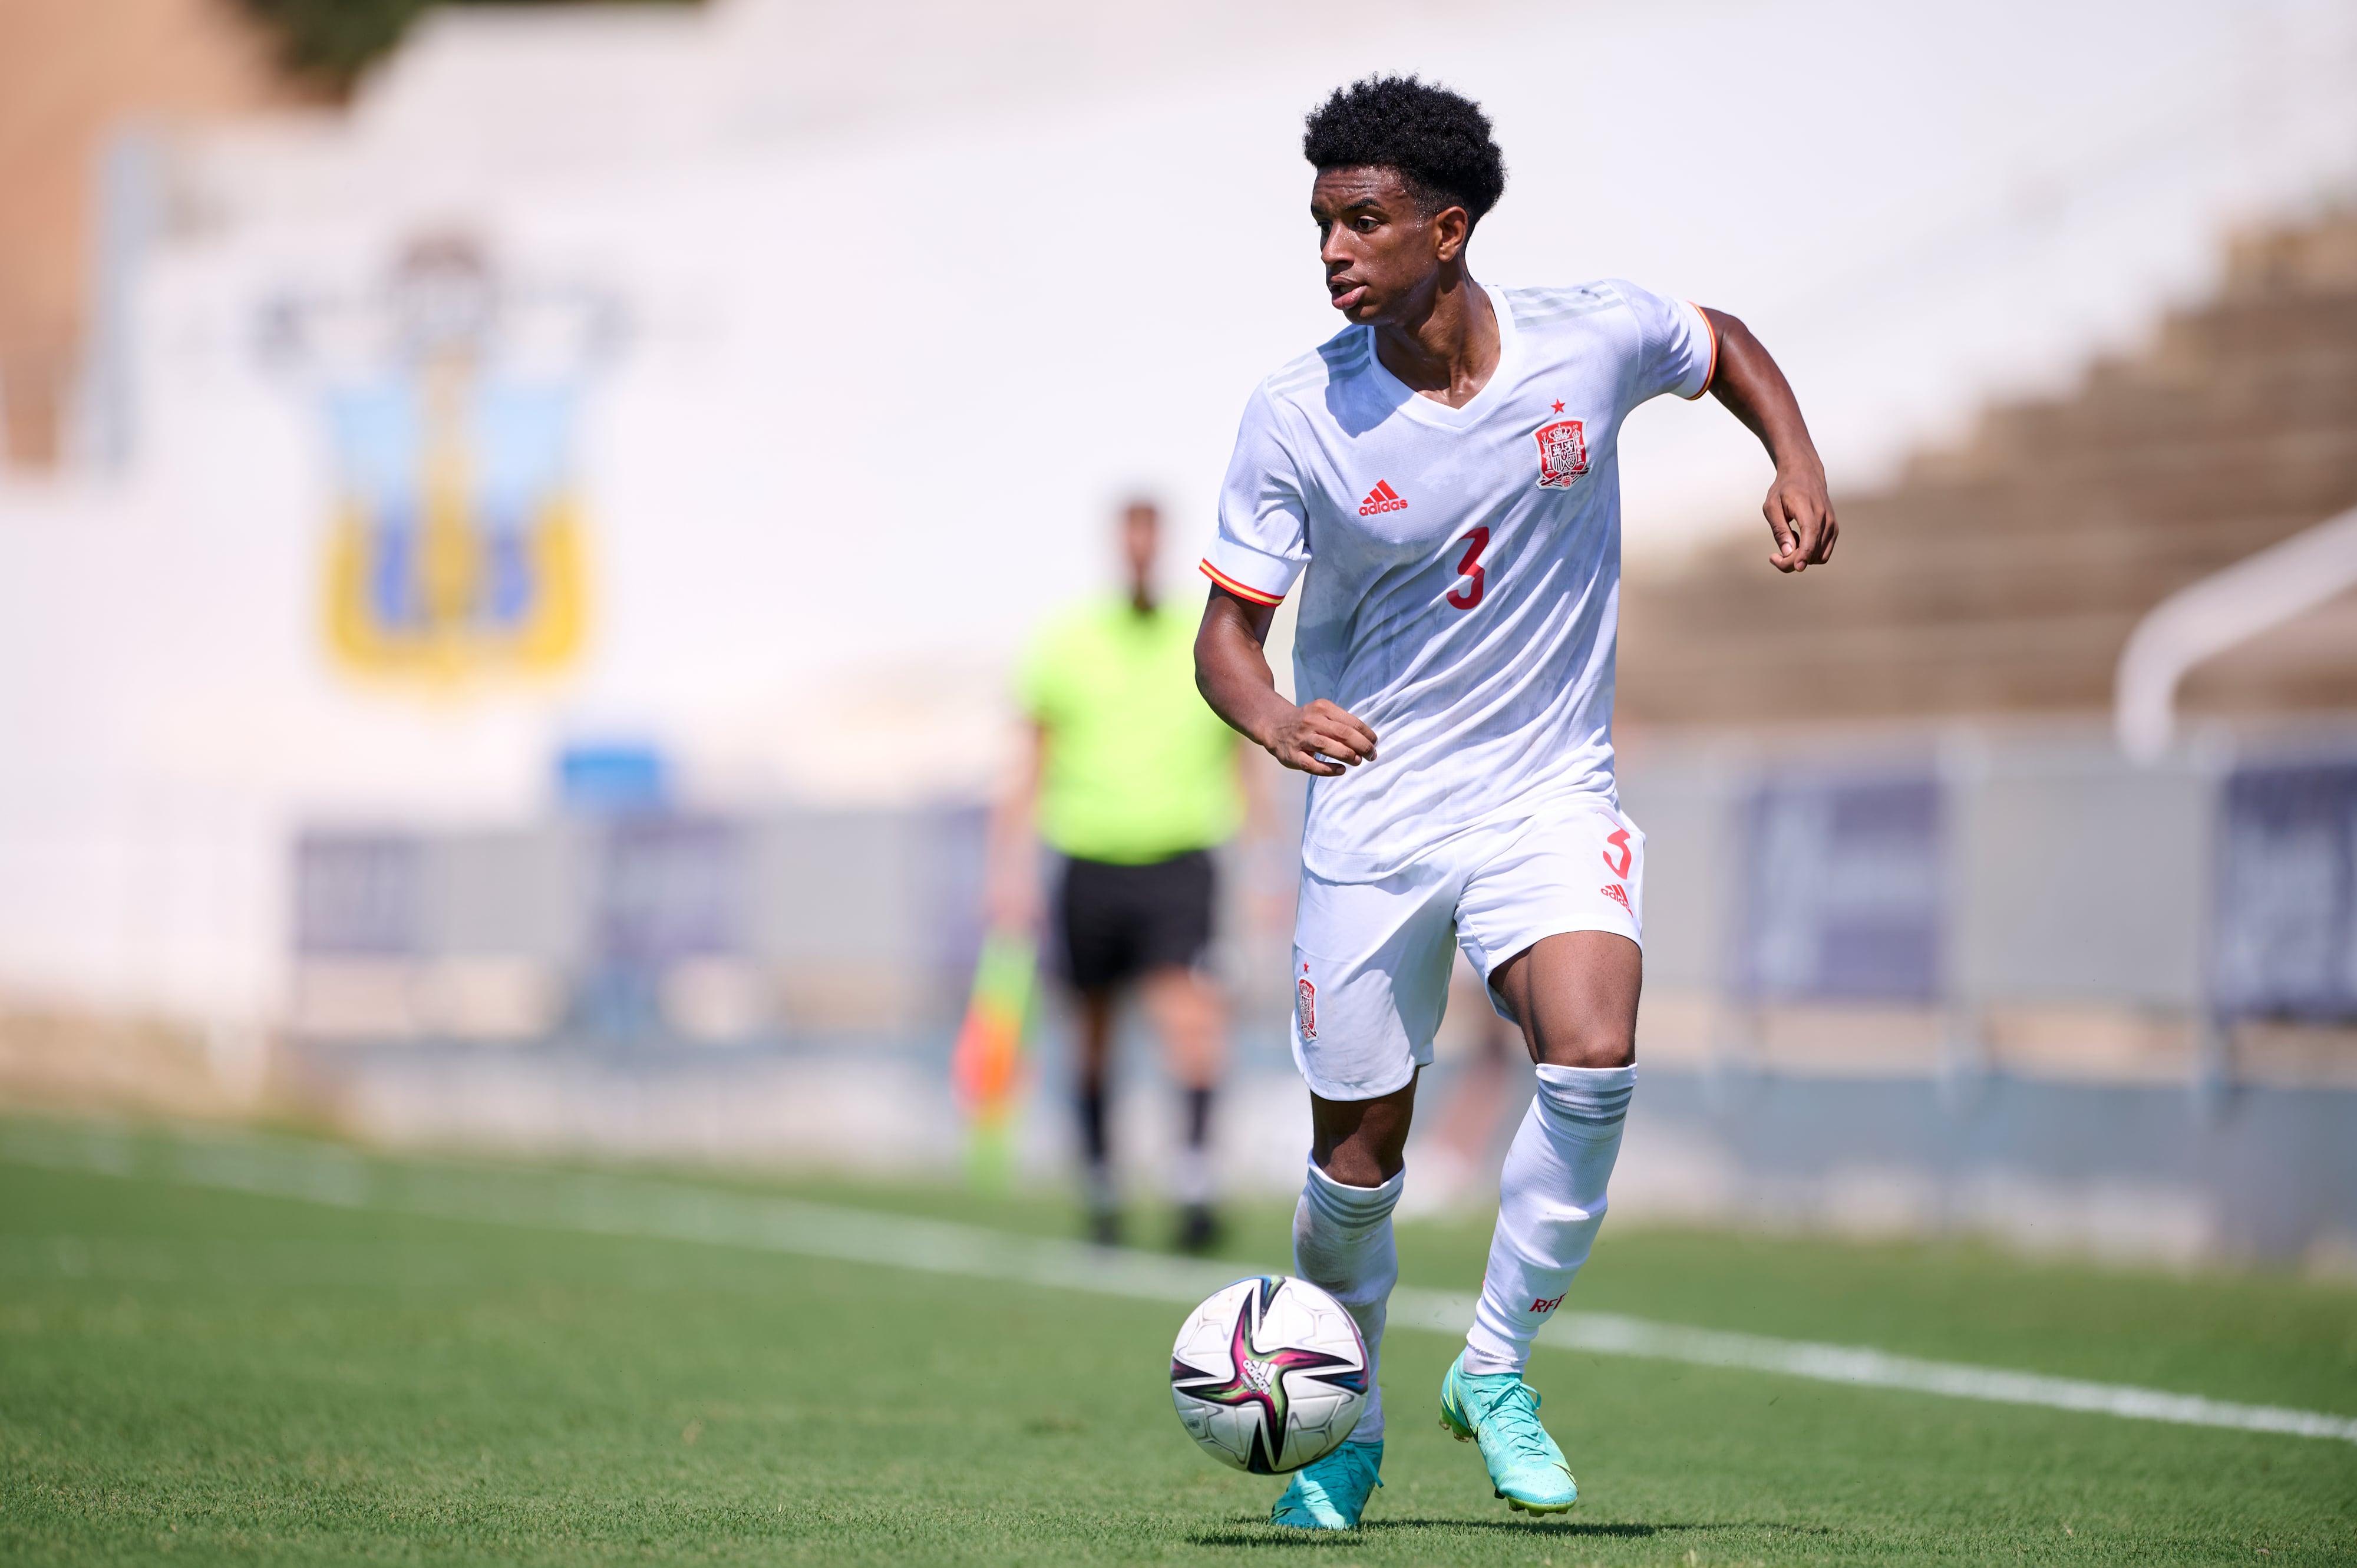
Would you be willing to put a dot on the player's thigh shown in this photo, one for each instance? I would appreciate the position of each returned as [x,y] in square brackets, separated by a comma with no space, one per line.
[1370,979]
[1098,916]
[1553,924]
[1189,1016]
[1575,996]
[1173,914]
[1174,910]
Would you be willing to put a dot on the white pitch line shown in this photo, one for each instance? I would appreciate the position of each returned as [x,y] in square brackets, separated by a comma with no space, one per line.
[676,1211]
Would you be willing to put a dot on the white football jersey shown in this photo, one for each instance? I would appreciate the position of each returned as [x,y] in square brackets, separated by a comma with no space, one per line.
[1460,566]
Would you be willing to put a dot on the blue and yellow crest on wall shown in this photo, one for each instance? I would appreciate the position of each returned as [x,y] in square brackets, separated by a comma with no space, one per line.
[456,549]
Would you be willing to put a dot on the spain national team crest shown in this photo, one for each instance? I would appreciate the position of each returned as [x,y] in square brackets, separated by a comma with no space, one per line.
[1563,453]
[448,398]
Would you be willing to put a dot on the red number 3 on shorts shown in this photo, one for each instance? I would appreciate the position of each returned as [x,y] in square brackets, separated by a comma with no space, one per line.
[1469,568]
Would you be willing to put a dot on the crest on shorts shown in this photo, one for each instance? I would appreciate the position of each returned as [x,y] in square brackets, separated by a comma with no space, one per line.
[1305,1004]
[1563,453]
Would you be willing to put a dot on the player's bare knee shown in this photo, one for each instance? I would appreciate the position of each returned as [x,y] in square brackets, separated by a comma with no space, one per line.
[1597,1045]
[1368,1152]
[1361,1142]
[1353,1165]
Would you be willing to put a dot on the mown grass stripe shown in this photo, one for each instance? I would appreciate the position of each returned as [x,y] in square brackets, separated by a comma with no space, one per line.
[647,1207]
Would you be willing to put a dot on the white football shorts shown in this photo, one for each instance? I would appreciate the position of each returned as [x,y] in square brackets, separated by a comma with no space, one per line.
[1371,959]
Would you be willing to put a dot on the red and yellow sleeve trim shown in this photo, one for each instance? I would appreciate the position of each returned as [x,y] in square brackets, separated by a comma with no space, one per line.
[1252,594]
[1710,327]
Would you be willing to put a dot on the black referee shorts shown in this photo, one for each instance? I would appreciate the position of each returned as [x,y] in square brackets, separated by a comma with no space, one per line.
[1116,922]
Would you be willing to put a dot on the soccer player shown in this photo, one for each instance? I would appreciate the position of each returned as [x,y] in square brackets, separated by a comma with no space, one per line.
[1132,781]
[1442,478]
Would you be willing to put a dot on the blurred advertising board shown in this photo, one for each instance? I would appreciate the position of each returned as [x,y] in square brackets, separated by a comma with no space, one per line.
[2284,940]
[1844,886]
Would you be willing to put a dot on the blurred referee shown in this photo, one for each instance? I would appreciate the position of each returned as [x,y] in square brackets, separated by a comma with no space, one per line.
[1132,780]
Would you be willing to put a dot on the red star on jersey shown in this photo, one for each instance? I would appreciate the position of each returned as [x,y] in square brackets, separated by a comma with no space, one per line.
[1558,405]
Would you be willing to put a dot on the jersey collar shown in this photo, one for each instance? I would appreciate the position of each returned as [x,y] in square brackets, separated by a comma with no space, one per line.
[1494,391]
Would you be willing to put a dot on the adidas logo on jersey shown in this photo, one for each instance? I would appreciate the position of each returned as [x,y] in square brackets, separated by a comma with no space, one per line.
[1382,498]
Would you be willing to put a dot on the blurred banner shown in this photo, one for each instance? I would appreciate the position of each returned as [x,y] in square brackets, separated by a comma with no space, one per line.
[1845,884]
[2286,894]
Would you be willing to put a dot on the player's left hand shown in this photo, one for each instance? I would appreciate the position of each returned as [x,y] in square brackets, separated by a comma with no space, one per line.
[1801,516]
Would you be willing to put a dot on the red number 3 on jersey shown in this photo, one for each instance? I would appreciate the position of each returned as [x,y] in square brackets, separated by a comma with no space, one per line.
[1469,568]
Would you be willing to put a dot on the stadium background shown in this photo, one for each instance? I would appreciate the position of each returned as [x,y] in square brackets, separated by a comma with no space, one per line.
[794,356]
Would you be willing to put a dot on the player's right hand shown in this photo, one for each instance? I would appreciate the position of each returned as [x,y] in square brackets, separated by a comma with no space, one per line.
[1321,739]
[1012,901]
[1801,516]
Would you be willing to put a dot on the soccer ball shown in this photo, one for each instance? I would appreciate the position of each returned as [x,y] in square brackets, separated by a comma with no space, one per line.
[1269,1374]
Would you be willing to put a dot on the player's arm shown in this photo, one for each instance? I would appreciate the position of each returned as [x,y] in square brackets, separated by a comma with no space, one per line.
[1231,672]
[1267,856]
[1011,883]
[1799,513]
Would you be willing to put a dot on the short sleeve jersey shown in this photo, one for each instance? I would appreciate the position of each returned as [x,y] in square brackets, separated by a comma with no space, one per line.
[1137,768]
[1460,567]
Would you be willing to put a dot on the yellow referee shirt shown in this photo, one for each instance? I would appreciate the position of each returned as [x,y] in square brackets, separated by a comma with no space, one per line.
[1136,766]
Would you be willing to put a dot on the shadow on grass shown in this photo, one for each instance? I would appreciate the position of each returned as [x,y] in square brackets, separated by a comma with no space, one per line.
[1258,1532]
[1279,1535]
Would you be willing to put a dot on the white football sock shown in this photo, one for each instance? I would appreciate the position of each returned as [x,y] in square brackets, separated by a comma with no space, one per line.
[1550,1205]
[1342,1242]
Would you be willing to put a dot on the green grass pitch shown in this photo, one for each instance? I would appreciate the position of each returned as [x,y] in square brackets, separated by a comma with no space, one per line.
[192,1375]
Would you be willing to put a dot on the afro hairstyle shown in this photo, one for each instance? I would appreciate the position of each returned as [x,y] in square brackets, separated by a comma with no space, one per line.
[1437,140]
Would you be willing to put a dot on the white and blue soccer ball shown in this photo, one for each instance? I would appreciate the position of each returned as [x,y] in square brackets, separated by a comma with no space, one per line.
[1269,1374]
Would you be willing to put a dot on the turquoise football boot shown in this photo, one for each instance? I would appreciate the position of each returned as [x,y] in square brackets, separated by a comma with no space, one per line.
[1501,1413]
[1332,1492]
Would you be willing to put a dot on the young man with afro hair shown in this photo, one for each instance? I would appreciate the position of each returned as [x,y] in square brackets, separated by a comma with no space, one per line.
[1442,479]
